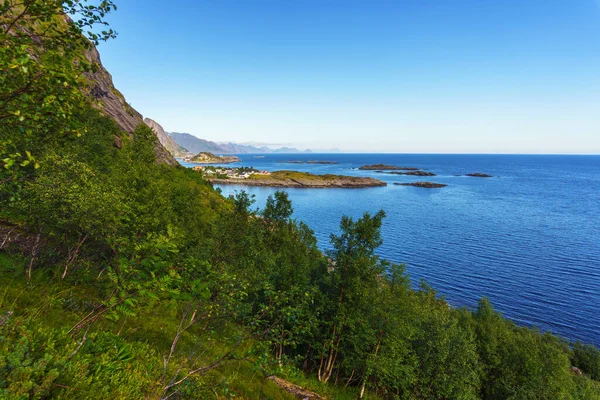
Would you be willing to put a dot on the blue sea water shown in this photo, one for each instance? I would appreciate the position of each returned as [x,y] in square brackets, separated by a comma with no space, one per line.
[528,238]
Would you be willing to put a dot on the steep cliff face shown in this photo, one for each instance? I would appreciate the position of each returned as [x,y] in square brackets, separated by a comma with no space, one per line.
[113,104]
[166,140]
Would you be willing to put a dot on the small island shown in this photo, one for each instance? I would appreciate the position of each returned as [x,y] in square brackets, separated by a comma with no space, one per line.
[321,162]
[309,162]
[383,167]
[479,175]
[412,173]
[209,158]
[426,185]
[287,179]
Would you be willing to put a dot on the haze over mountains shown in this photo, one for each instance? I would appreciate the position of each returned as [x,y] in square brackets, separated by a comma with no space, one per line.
[196,145]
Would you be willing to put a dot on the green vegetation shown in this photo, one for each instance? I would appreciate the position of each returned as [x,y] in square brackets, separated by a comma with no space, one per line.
[304,179]
[42,67]
[123,278]
[209,158]
[298,175]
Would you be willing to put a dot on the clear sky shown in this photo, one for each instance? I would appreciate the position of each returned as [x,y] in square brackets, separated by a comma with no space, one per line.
[427,76]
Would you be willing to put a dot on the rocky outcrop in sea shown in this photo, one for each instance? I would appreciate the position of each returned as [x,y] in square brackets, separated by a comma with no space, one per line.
[425,185]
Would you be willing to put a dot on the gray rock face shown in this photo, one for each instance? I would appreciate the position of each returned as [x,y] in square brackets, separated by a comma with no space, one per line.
[113,103]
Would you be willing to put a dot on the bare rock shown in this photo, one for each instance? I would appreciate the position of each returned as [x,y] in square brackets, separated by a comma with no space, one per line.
[426,185]
[297,391]
[576,371]
[413,173]
[112,103]
[110,100]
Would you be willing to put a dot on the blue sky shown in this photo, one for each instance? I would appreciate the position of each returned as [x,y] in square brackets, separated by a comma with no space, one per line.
[427,76]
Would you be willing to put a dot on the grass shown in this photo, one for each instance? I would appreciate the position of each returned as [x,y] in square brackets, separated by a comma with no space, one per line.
[300,176]
[54,304]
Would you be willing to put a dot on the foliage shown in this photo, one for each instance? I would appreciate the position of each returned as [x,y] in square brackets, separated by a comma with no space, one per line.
[138,280]
[42,67]
[587,358]
[278,207]
[183,287]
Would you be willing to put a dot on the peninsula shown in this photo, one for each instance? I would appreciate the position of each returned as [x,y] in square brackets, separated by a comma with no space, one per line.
[286,179]
[209,158]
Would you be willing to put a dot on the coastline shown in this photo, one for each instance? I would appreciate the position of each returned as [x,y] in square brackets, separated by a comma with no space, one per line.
[473,220]
[287,179]
[350,183]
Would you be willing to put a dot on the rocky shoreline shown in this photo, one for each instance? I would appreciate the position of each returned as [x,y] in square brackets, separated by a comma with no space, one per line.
[248,176]
[294,179]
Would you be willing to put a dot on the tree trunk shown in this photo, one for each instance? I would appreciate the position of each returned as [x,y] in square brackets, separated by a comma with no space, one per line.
[349,379]
[364,382]
[34,253]
[73,255]
[305,364]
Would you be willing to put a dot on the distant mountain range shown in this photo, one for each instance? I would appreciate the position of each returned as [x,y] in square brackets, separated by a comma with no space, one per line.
[196,145]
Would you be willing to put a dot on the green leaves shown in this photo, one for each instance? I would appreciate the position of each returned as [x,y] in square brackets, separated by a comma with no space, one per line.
[42,66]
[278,207]
[587,358]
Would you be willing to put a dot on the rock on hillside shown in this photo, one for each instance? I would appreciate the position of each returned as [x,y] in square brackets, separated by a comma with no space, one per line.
[166,140]
[113,103]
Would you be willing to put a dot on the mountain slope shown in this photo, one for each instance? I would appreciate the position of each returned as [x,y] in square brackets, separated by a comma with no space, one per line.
[113,103]
[167,141]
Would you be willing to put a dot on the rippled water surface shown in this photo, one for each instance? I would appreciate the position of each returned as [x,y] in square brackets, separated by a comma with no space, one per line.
[528,238]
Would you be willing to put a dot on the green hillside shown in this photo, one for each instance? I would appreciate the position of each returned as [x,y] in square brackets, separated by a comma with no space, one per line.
[126,278]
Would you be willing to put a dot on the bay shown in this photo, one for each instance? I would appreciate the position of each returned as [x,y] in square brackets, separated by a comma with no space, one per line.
[528,238]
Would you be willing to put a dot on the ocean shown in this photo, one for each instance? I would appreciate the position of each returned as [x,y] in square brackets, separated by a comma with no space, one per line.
[528,238]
